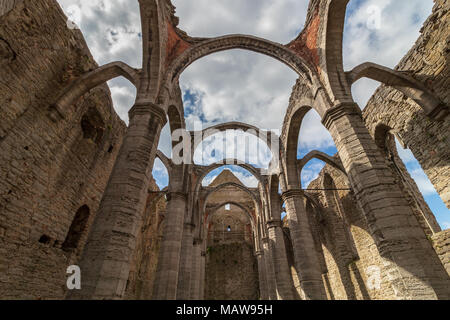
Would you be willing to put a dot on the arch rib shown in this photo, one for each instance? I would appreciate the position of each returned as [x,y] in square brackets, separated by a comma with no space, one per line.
[321,156]
[92,79]
[239,41]
[412,88]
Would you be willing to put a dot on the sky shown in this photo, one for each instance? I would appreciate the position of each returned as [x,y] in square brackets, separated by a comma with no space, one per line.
[244,86]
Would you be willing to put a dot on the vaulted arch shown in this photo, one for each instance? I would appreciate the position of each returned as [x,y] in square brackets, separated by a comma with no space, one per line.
[246,42]
[199,136]
[410,87]
[92,79]
[255,198]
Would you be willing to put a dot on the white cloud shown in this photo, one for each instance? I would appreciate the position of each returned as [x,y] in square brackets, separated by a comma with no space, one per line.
[246,178]
[400,22]
[243,86]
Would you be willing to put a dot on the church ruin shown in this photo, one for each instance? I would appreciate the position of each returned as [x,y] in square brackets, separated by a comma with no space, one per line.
[76,185]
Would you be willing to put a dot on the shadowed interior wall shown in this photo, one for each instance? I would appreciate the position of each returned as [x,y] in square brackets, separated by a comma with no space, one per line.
[50,166]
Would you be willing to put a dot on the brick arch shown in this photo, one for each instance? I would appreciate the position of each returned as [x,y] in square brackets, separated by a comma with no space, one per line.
[246,128]
[234,162]
[242,207]
[291,132]
[92,79]
[410,87]
[246,42]
[315,154]
[165,161]
[332,59]
[255,198]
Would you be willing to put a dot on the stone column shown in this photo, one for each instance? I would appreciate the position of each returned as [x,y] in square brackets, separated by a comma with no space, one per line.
[270,270]
[284,283]
[410,264]
[186,261]
[202,274]
[262,275]
[196,270]
[105,263]
[166,278]
[305,256]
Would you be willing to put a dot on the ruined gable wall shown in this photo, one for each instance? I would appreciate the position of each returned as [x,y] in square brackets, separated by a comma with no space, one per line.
[429,62]
[49,166]
[231,266]
[231,272]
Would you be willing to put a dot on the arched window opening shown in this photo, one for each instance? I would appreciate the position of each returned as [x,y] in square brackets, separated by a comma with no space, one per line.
[233,144]
[227,207]
[160,174]
[428,207]
[77,228]
[45,239]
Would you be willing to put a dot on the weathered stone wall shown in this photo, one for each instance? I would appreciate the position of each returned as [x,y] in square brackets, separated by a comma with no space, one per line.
[7,5]
[231,267]
[441,243]
[350,254]
[50,166]
[428,61]
[145,259]
[231,273]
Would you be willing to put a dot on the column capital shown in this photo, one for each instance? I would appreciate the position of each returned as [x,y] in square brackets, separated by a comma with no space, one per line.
[144,107]
[339,110]
[174,194]
[275,223]
[265,239]
[259,253]
[292,193]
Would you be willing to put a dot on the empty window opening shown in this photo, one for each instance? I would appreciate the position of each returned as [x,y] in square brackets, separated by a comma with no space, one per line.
[228,207]
[44,239]
[77,228]
[229,228]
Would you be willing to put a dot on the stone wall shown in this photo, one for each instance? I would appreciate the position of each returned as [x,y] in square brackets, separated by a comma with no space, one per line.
[349,252]
[50,167]
[231,273]
[7,5]
[428,62]
[441,243]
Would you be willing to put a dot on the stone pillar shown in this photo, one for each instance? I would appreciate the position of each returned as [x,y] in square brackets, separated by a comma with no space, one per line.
[262,275]
[186,261]
[284,283]
[410,264]
[305,256]
[196,270]
[202,274]
[270,270]
[105,263]
[166,278]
